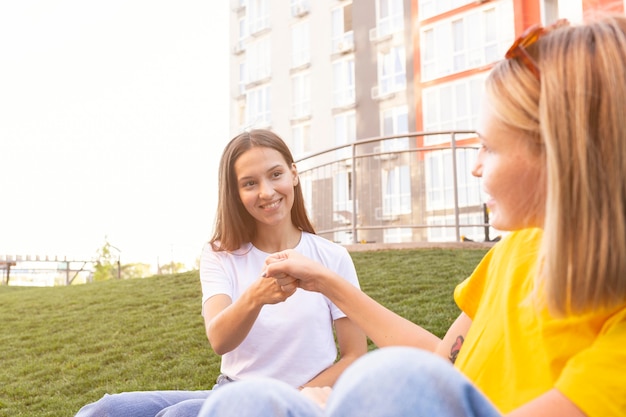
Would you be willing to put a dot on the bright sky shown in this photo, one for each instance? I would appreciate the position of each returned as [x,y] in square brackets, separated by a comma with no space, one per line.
[113,115]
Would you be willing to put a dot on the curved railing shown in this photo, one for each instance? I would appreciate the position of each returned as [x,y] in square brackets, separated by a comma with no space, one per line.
[414,187]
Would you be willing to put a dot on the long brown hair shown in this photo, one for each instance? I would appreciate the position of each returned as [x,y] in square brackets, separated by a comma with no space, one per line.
[576,110]
[234,226]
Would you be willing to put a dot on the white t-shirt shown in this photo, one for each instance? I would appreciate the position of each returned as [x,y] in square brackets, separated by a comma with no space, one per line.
[291,341]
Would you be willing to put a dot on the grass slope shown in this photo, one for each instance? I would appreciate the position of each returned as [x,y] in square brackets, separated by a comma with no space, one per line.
[62,347]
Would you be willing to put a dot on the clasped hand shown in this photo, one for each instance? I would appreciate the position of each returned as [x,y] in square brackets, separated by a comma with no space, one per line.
[292,270]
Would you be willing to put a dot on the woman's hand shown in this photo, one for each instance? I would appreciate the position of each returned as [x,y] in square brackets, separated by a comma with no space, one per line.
[319,395]
[292,269]
[270,291]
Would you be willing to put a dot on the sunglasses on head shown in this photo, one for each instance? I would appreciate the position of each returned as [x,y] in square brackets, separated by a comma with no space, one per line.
[526,39]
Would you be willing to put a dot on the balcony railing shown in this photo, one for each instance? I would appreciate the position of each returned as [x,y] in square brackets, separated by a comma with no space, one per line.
[395,189]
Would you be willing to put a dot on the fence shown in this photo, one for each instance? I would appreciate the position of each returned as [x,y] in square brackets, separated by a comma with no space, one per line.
[43,270]
[414,187]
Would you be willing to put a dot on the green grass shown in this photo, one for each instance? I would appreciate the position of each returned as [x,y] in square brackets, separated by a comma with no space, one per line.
[62,347]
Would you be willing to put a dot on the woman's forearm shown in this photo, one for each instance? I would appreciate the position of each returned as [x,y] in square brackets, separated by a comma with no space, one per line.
[381,325]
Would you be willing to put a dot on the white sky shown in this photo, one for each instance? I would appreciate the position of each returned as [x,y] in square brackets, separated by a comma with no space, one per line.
[113,114]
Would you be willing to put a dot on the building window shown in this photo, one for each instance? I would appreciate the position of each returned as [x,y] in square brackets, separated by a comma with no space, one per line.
[258,13]
[392,70]
[258,60]
[242,78]
[430,8]
[258,107]
[471,40]
[301,135]
[342,34]
[300,44]
[343,83]
[395,177]
[389,17]
[447,231]
[345,133]
[440,181]
[342,205]
[398,235]
[301,95]
[452,106]
[396,186]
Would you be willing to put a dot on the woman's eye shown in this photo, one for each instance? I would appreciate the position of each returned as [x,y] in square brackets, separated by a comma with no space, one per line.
[277,174]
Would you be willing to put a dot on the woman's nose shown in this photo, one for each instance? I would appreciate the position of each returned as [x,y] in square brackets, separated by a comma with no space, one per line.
[266,189]
[477,169]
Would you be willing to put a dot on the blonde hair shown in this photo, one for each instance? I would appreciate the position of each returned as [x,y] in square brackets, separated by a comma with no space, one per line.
[576,112]
[234,226]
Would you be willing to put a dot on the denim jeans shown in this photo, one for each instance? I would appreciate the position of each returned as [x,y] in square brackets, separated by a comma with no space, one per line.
[395,381]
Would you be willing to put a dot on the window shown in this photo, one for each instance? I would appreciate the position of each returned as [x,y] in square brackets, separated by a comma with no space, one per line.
[242,78]
[395,179]
[301,95]
[258,107]
[392,70]
[301,135]
[451,106]
[343,83]
[342,205]
[258,60]
[470,40]
[396,186]
[243,29]
[345,133]
[390,16]
[430,8]
[395,121]
[300,44]
[398,235]
[448,234]
[440,181]
[258,15]
[342,35]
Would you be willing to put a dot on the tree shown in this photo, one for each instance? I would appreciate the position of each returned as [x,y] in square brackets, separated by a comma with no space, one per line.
[171,268]
[107,265]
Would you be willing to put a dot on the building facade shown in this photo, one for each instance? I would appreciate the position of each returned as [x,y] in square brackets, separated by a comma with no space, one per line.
[327,74]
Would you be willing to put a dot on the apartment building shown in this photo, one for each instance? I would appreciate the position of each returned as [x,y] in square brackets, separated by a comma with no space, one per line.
[326,73]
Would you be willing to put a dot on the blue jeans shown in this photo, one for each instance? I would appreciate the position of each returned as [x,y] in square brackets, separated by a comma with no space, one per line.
[395,381]
[147,404]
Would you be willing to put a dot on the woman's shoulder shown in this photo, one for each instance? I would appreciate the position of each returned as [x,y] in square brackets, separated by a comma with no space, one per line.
[211,249]
[319,241]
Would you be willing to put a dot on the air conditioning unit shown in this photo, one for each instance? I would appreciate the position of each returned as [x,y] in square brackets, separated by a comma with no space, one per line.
[238,49]
[381,155]
[373,34]
[300,10]
[376,94]
[345,47]
[379,214]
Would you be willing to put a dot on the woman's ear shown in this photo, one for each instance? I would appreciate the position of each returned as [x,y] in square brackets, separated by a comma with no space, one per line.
[294,172]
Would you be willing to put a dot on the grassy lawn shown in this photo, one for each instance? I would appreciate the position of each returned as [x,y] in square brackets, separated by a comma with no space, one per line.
[62,347]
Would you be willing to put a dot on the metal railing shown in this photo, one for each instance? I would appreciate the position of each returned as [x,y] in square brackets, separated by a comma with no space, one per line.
[413,187]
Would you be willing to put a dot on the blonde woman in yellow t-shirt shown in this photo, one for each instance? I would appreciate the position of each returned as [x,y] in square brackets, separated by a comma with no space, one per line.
[543,325]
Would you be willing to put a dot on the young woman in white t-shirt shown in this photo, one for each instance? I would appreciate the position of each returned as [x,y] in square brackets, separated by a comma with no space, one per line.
[259,328]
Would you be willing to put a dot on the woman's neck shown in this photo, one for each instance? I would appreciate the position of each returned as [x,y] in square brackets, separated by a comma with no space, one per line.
[275,239]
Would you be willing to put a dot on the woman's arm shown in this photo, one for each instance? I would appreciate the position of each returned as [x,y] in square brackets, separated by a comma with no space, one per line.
[227,324]
[352,344]
[550,404]
[386,328]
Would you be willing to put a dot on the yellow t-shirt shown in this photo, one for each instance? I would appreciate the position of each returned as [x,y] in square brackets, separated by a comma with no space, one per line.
[515,351]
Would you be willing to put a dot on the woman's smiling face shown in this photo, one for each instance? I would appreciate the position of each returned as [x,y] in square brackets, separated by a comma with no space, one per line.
[266,185]
[512,170]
